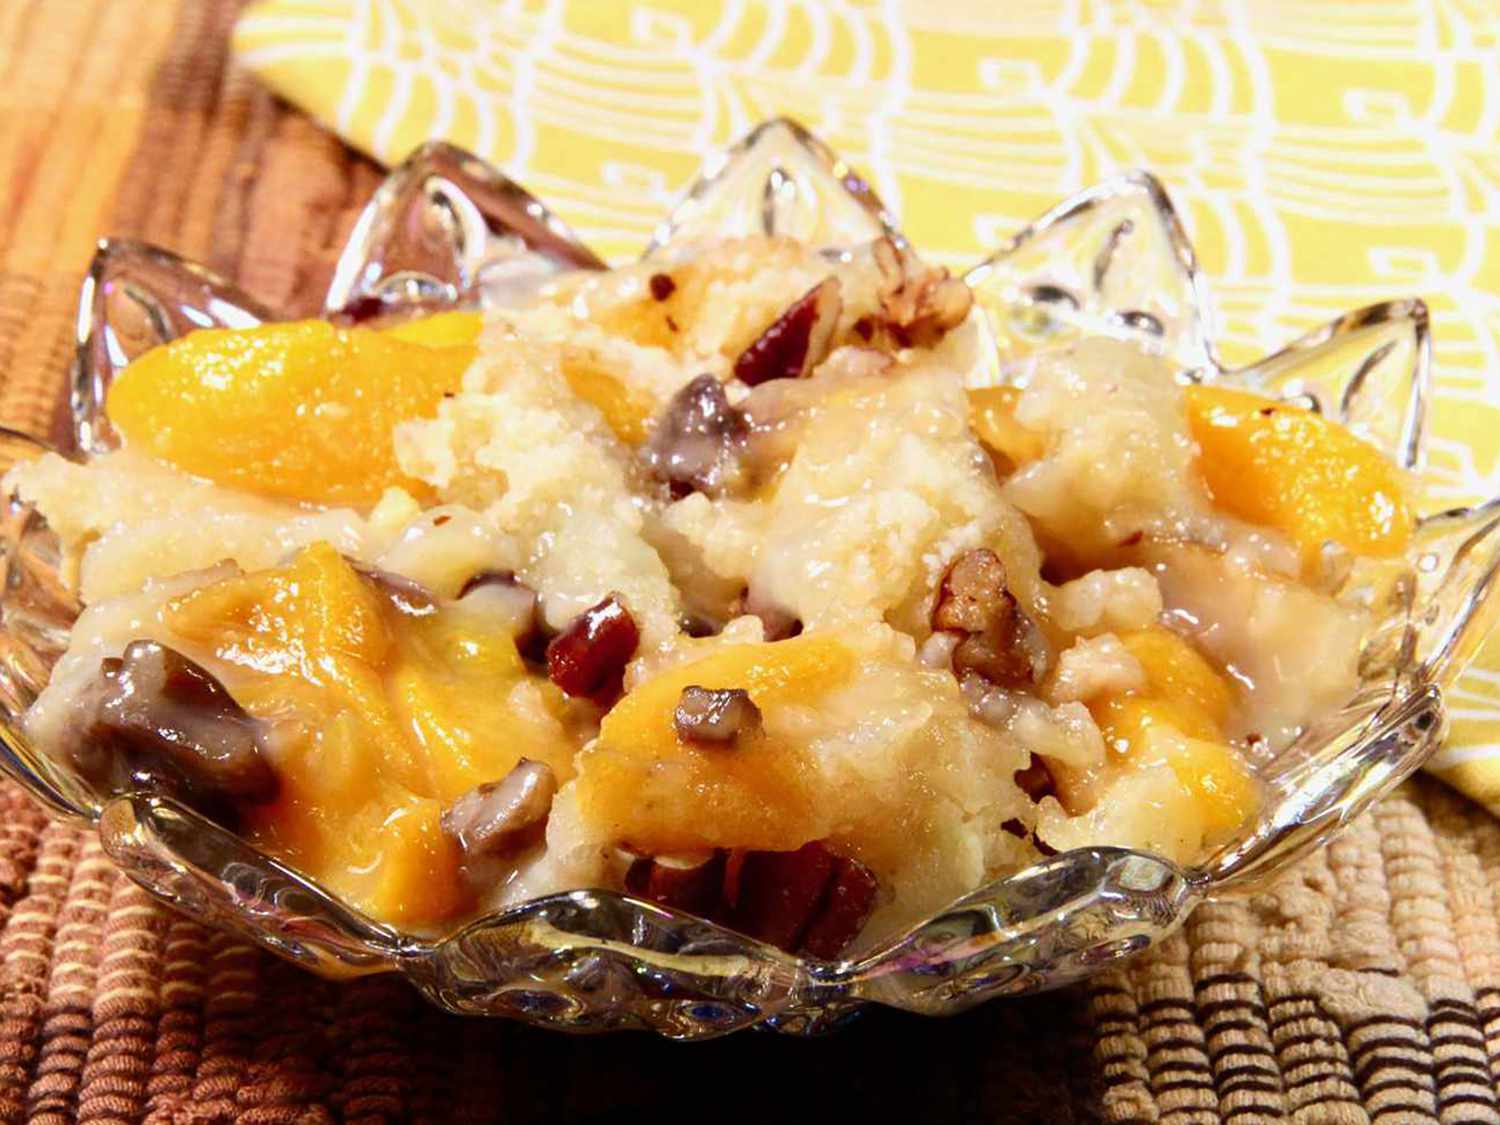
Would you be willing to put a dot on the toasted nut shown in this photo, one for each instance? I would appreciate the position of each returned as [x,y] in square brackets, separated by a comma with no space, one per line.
[715,716]
[810,901]
[846,908]
[697,442]
[796,341]
[588,657]
[500,817]
[998,641]
[785,898]
[691,881]
[919,303]
[157,720]
[1012,656]
[972,594]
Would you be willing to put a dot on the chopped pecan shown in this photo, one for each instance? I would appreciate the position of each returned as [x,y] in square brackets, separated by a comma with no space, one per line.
[972,594]
[157,720]
[919,303]
[845,909]
[797,341]
[588,657]
[998,641]
[697,441]
[785,898]
[500,817]
[719,717]
[809,901]
[691,881]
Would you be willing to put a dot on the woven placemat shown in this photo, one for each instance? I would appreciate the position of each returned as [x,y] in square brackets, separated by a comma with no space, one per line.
[1365,986]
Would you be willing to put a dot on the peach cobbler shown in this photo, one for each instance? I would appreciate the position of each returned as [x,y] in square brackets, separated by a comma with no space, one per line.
[727,579]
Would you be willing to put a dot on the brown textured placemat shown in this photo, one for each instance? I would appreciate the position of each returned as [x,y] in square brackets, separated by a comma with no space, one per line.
[1364,987]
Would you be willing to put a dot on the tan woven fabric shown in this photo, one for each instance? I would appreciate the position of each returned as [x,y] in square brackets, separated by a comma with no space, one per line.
[1363,988]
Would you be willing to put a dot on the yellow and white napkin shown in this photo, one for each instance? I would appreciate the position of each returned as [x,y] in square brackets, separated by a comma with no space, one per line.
[1325,156]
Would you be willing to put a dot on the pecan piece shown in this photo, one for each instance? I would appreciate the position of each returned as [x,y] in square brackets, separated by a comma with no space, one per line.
[157,720]
[919,303]
[846,907]
[719,717]
[697,442]
[998,641]
[796,341]
[588,657]
[691,881]
[809,900]
[500,817]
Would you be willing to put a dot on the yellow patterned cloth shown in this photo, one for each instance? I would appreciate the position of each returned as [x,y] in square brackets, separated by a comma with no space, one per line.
[1325,156]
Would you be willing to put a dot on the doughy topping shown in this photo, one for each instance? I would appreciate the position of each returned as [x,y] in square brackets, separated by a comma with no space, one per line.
[717,580]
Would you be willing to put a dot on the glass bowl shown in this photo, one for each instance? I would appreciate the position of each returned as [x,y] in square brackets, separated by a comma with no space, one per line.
[447,230]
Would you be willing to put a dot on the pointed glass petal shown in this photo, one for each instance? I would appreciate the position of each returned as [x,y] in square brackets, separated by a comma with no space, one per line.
[135,297]
[210,873]
[36,613]
[1111,261]
[1457,602]
[1337,768]
[778,180]
[446,229]
[1370,369]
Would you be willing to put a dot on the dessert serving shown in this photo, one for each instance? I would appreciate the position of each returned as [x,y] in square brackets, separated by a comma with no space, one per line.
[771,585]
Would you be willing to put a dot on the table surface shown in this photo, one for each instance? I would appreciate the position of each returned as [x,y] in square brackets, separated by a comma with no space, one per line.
[1363,986]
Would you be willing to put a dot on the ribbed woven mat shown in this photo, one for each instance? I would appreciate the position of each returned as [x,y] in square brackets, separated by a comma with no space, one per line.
[1363,987]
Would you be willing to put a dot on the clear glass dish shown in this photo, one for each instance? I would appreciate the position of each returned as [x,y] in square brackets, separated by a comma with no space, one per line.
[447,230]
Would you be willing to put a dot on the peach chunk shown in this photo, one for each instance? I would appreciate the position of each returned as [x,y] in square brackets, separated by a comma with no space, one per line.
[1288,468]
[1222,786]
[455,329]
[1178,672]
[296,411]
[1177,719]
[992,417]
[380,718]
[657,792]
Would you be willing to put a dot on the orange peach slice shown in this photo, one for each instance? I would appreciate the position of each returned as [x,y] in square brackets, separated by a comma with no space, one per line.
[1288,468]
[658,793]
[381,719]
[296,411]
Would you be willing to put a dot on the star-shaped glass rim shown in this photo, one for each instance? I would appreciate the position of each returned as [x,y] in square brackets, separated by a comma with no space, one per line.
[447,230]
